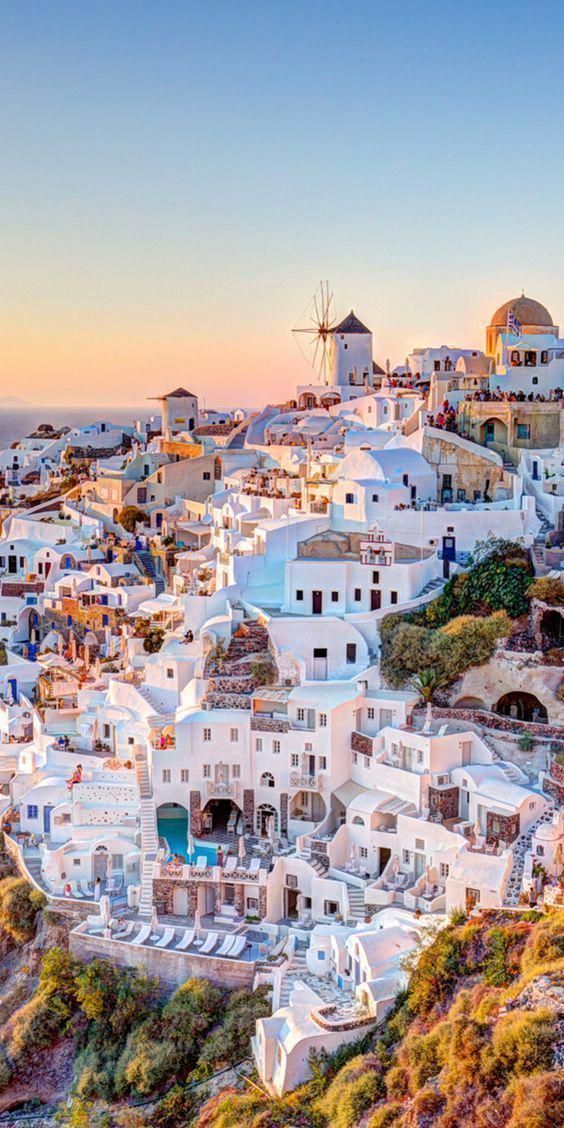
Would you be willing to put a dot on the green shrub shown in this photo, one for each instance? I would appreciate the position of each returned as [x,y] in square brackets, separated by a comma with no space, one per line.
[522,1043]
[357,1086]
[19,905]
[227,1044]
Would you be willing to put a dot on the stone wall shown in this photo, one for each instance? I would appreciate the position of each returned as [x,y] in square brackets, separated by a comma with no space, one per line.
[169,967]
[283,813]
[195,813]
[504,827]
[444,800]
[361,743]
[249,810]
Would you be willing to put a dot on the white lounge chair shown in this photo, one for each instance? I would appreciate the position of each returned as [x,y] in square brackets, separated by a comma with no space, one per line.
[124,932]
[85,887]
[239,945]
[230,865]
[254,865]
[142,935]
[226,946]
[75,891]
[166,938]
[209,943]
[201,862]
[186,940]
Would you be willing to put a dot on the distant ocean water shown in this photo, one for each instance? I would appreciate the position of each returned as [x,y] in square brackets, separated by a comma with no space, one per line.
[16,422]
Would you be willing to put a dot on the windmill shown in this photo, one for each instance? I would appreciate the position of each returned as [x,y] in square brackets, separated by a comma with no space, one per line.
[315,328]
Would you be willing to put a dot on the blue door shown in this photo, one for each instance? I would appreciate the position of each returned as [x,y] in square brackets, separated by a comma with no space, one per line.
[13,688]
[47,819]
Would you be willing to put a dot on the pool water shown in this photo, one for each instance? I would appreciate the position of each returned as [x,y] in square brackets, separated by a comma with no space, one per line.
[176,833]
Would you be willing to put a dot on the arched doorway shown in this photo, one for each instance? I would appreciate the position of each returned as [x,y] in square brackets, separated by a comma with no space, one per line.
[172,827]
[265,812]
[493,431]
[221,816]
[470,703]
[522,707]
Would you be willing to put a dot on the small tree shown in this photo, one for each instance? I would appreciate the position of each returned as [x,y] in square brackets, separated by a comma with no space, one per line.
[19,905]
[130,516]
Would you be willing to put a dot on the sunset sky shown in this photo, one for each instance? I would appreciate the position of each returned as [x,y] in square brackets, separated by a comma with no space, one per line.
[178,177]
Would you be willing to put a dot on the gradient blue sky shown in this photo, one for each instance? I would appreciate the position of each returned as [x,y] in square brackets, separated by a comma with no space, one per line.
[177,177]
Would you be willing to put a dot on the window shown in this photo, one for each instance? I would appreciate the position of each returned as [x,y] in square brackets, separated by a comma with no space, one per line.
[544,357]
[405,479]
[169,672]
[351,652]
[375,497]
[444,869]
[323,763]
[523,431]
[258,744]
[540,851]
[535,380]
[131,740]
[32,811]
[323,720]
[184,775]
[294,760]
[393,597]
[320,952]
[370,713]
[355,757]
[375,577]
[367,761]
[419,844]
[308,746]
[334,597]
[236,771]
[252,903]
[267,779]
[234,735]
[106,732]
[406,856]
[330,908]
[206,771]
[419,755]
[276,747]
[357,821]
[206,476]
[349,498]
[532,805]
[301,714]
[166,775]
[206,735]
[363,852]
[447,481]
[299,595]
[357,595]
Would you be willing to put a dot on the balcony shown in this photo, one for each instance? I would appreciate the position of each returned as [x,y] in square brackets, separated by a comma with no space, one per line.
[305,782]
[221,789]
[264,722]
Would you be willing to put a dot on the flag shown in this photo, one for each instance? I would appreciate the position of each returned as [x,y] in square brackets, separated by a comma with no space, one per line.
[513,324]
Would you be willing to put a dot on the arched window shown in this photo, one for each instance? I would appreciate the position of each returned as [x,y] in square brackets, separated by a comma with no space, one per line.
[264,813]
[357,821]
[267,779]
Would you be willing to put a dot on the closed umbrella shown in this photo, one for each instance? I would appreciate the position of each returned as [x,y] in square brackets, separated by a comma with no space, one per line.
[191,850]
[241,848]
[105,909]
[395,865]
[197,927]
[154,920]
[428,882]
[109,868]
[271,828]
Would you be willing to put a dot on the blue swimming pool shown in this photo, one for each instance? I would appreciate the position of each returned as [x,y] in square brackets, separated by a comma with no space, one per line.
[175,831]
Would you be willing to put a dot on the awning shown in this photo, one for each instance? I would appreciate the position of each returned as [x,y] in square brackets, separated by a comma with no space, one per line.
[349,791]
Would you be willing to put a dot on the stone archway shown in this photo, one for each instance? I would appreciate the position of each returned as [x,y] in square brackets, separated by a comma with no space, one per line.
[470,703]
[520,706]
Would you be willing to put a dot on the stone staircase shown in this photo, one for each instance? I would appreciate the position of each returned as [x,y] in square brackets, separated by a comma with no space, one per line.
[324,987]
[146,564]
[433,585]
[357,910]
[538,548]
[521,846]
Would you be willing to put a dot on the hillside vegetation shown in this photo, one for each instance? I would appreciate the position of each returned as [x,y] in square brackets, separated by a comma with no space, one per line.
[473,1043]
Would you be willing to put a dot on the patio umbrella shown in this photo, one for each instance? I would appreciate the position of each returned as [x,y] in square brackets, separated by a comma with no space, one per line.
[271,828]
[109,868]
[395,865]
[191,849]
[428,882]
[197,926]
[241,848]
[477,830]
[105,909]
[154,920]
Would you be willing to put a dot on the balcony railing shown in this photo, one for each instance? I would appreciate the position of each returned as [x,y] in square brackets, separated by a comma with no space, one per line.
[305,782]
[219,788]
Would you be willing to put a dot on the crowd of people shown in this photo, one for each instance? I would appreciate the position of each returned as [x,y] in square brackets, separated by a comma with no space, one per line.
[499,396]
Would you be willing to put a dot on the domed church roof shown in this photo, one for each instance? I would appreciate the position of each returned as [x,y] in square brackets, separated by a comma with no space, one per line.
[526,310]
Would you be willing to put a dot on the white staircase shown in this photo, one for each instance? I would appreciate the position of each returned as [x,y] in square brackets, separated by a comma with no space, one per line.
[149,837]
[520,848]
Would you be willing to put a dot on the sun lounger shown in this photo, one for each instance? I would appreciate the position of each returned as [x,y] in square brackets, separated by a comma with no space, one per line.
[166,938]
[226,946]
[239,945]
[254,865]
[86,888]
[142,935]
[230,865]
[186,940]
[209,943]
[201,862]
[121,935]
[75,891]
